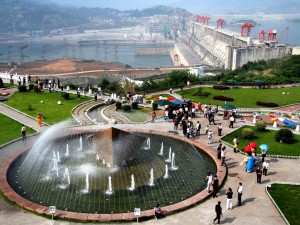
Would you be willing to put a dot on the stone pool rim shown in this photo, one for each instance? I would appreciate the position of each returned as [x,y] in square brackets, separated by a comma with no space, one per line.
[93,217]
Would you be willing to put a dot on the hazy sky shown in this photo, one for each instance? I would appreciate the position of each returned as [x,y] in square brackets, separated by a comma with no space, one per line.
[195,6]
[118,4]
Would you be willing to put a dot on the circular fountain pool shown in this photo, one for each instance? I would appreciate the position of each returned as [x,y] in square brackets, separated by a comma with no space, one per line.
[68,171]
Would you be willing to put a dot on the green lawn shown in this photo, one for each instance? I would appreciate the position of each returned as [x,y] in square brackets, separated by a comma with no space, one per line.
[51,111]
[266,137]
[287,197]
[246,97]
[7,85]
[11,129]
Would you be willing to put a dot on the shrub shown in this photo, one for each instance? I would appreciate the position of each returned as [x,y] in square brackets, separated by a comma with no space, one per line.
[126,108]
[285,135]
[118,105]
[261,125]
[1,83]
[65,95]
[72,86]
[135,105]
[267,104]
[22,88]
[220,87]
[247,133]
[223,98]
[30,87]
[29,107]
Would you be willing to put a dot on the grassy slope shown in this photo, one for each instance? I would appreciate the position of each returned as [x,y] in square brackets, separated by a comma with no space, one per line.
[287,197]
[51,111]
[266,137]
[247,97]
[10,129]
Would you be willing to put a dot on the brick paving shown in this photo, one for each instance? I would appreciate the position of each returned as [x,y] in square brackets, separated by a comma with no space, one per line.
[257,207]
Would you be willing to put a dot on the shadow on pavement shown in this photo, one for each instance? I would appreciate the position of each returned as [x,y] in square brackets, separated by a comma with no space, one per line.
[228,219]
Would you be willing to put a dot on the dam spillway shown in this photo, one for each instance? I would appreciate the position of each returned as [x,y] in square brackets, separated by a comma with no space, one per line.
[224,48]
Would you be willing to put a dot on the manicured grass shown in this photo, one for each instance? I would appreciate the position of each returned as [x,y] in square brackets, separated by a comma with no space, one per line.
[246,97]
[7,85]
[11,129]
[139,115]
[51,111]
[266,137]
[287,197]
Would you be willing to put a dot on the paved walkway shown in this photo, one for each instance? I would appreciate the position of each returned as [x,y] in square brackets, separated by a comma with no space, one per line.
[256,209]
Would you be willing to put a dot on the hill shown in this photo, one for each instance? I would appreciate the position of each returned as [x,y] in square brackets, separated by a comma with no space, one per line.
[24,15]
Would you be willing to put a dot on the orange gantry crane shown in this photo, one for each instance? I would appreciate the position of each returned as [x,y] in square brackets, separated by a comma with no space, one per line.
[246,29]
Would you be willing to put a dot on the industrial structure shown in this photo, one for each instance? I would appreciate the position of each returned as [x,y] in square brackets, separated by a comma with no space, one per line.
[216,46]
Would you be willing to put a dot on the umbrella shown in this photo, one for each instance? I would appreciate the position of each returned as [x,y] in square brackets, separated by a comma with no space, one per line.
[163,102]
[171,98]
[247,148]
[253,144]
[178,102]
[228,106]
[264,147]
[258,81]
[231,81]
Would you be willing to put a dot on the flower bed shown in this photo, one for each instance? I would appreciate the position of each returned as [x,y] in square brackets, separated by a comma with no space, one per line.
[223,98]
[267,104]
[220,87]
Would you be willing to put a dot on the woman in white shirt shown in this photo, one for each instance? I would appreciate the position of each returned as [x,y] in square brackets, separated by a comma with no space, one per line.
[209,179]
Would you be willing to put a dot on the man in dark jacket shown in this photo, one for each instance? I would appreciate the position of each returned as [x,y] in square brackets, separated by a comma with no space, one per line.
[218,210]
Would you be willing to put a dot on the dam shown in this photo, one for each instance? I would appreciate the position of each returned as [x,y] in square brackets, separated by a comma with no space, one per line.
[208,45]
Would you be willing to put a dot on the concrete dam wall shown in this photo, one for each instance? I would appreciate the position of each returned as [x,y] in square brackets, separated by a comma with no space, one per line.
[228,49]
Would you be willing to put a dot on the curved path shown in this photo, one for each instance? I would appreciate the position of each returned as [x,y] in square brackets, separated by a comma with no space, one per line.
[79,112]
[257,208]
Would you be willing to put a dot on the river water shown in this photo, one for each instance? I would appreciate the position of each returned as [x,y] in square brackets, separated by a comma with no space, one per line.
[125,52]
[105,52]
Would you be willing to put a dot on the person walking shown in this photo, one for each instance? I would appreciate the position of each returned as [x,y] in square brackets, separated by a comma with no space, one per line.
[153,116]
[209,136]
[95,96]
[263,155]
[215,185]
[218,210]
[223,153]
[235,143]
[265,166]
[220,129]
[176,122]
[231,121]
[198,127]
[206,129]
[258,175]
[209,179]
[23,131]
[229,194]
[39,119]
[219,149]
[240,193]
[78,93]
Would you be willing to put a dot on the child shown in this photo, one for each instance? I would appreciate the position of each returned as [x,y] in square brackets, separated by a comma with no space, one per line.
[206,129]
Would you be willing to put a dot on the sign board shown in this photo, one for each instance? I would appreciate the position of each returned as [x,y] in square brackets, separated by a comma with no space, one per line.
[52,209]
[137,211]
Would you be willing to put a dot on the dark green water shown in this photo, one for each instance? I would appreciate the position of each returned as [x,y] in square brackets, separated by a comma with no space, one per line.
[32,176]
